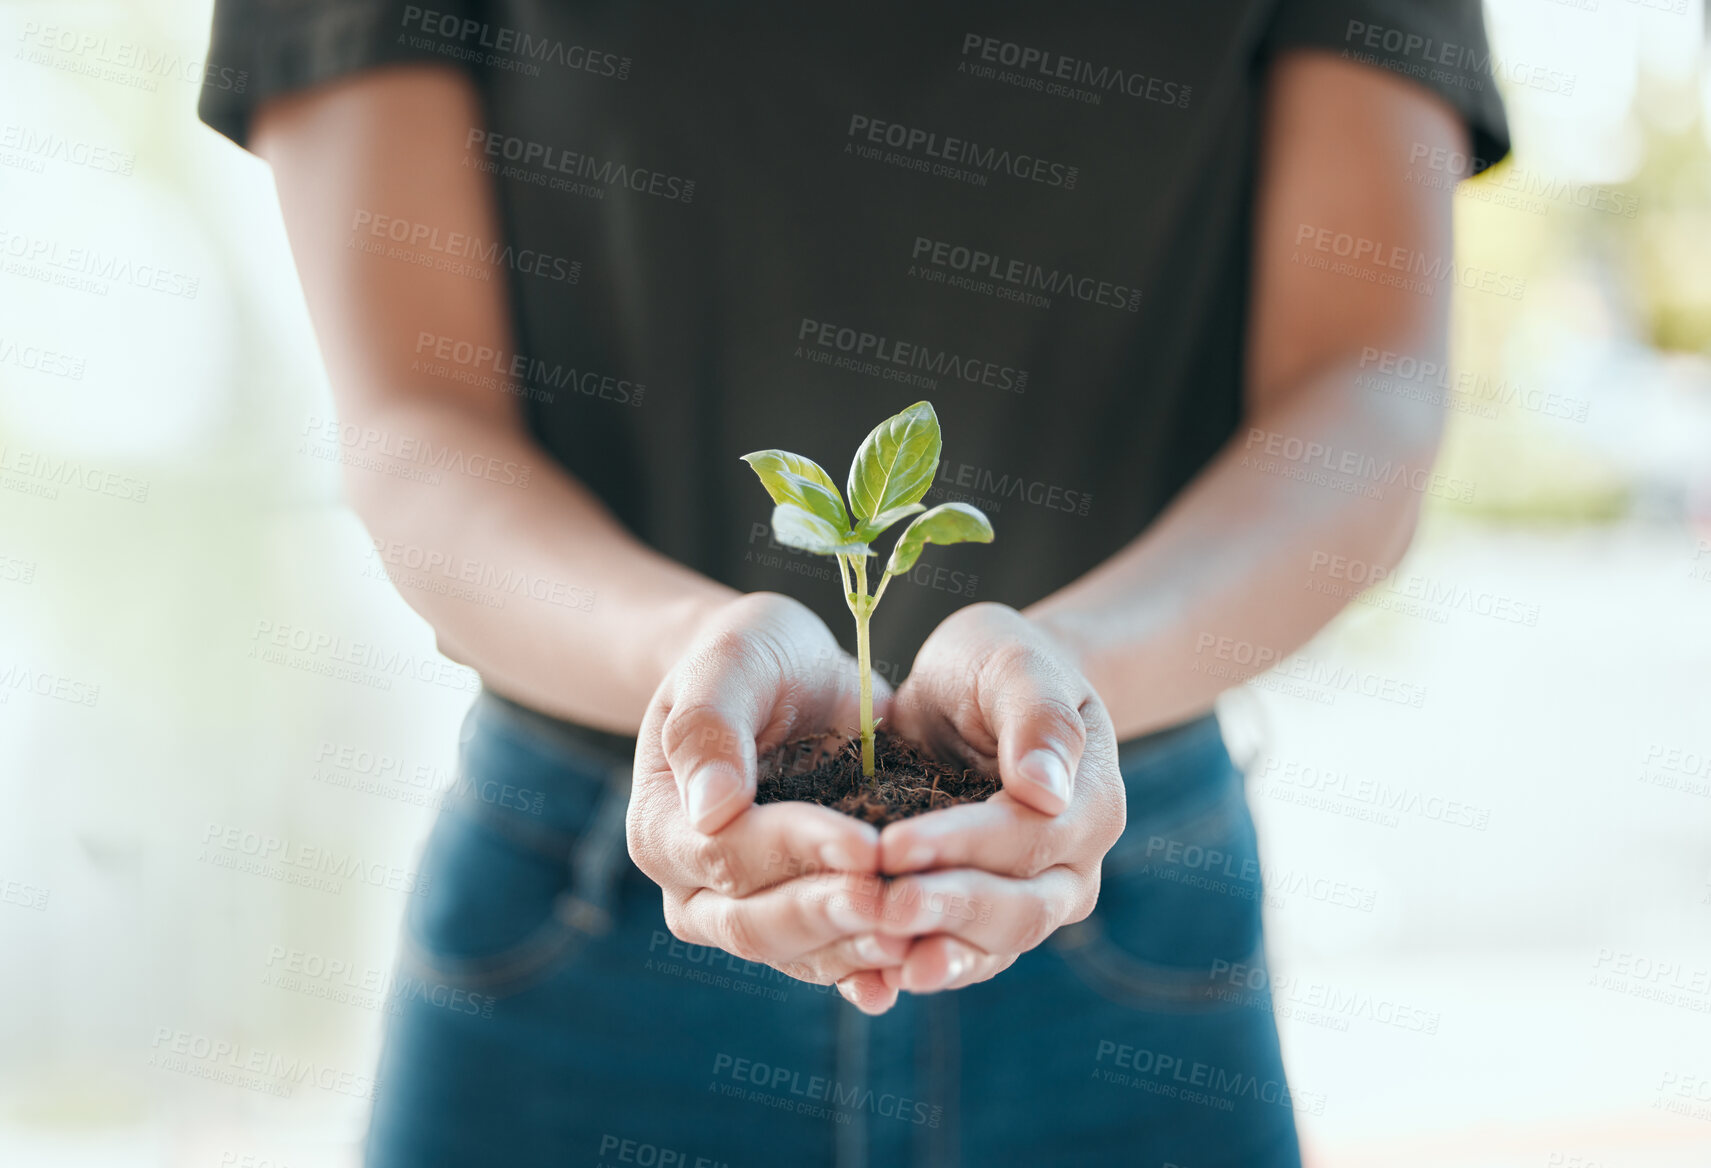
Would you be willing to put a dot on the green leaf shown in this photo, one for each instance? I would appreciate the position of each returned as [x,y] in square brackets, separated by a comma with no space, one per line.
[871,528]
[780,473]
[821,500]
[896,463]
[946,523]
[798,527]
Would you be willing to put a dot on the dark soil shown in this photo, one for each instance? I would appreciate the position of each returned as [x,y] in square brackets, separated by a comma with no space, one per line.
[822,769]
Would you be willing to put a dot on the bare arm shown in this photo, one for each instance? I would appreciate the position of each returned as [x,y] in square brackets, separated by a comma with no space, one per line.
[1046,695]
[390,142]
[1232,556]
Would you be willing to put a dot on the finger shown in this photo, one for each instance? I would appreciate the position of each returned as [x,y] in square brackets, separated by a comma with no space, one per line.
[993,913]
[1032,705]
[864,952]
[1026,717]
[739,694]
[782,924]
[767,845]
[869,991]
[946,963]
[998,834]
[708,738]
[1006,836]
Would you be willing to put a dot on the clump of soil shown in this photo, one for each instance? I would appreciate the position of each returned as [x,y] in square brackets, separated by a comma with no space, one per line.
[826,770]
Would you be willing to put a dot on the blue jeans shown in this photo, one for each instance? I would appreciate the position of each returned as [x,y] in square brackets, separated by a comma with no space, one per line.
[547,1017]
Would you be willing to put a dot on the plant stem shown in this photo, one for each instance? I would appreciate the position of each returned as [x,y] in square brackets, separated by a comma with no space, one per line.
[864,663]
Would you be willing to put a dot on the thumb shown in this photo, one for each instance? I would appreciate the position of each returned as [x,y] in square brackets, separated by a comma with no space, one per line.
[1032,705]
[708,738]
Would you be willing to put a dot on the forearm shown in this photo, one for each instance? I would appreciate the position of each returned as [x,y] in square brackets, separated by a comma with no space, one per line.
[1223,584]
[533,583]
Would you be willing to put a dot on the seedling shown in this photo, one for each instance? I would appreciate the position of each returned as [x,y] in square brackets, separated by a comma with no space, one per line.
[891,472]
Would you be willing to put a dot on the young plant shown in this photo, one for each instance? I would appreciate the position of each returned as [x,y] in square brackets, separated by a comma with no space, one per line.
[891,472]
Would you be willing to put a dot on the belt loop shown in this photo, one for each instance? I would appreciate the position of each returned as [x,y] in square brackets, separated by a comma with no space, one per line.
[595,863]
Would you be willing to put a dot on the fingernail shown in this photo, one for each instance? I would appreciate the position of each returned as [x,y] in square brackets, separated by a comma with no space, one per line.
[869,950]
[837,857]
[956,967]
[919,856]
[710,788]
[845,993]
[1046,768]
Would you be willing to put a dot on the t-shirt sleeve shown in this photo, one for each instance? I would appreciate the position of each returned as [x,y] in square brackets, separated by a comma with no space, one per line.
[273,47]
[1440,44]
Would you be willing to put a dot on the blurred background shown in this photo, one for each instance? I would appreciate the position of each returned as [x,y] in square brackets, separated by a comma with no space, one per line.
[1526,979]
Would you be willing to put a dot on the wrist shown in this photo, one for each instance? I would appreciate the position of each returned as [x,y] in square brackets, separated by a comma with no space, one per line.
[1067,634]
[679,623]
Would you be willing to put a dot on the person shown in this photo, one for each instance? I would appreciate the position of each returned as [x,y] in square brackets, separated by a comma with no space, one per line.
[1155,267]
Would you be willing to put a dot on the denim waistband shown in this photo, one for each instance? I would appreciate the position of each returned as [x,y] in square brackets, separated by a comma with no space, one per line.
[1143,760]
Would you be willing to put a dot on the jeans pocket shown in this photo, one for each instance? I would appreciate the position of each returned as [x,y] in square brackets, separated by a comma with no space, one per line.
[1180,901]
[510,900]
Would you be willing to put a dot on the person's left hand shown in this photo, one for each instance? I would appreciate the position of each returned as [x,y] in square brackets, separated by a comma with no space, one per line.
[982,883]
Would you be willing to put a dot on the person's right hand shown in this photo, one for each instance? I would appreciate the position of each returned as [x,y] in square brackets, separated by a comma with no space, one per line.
[790,885]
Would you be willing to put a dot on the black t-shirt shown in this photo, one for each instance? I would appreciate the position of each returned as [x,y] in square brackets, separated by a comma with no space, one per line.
[734,227]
